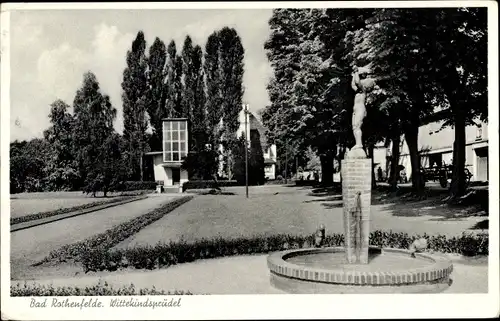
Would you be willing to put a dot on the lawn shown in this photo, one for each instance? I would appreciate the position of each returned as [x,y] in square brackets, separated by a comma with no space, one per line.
[30,203]
[294,210]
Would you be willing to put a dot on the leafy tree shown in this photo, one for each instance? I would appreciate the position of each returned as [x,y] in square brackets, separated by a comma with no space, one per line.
[156,94]
[93,130]
[134,87]
[238,153]
[189,78]
[28,160]
[61,172]
[459,64]
[202,164]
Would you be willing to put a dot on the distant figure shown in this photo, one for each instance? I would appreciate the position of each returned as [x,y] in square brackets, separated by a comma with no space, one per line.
[319,236]
[379,174]
[316,176]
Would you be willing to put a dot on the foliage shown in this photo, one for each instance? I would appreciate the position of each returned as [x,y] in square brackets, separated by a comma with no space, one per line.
[99,289]
[134,98]
[96,246]
[202,165]
[213,80]
[204,184]
[93,135]
[28,160]
[173,84]
[61,171]
[168,254]
[156,92]
[256,175]
[138,185]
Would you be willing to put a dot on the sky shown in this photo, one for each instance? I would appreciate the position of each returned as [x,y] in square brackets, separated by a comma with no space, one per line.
[51,49]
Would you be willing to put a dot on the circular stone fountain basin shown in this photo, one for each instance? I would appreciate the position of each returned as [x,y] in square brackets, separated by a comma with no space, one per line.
[325,270]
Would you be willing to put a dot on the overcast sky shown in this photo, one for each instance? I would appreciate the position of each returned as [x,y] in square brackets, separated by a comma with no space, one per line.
[50,51]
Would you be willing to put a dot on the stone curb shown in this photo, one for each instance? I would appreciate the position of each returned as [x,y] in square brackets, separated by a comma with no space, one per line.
[50,219]
[440,268]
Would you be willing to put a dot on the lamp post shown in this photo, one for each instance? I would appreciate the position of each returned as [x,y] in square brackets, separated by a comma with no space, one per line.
[286,161]
[246,148]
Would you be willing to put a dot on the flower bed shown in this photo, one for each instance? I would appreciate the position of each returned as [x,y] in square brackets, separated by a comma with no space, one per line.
[101,243]
[40,215]
[164,255]
[100,289]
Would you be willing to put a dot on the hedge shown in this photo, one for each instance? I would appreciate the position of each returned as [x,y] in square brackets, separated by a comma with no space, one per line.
[40,215]
[208,184]
[100,289]
[139,185]
[101,243]
[164,255]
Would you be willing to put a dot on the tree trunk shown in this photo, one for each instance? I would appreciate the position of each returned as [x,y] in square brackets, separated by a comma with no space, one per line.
[393,177]
[326,160]
[457,187]
[411,136]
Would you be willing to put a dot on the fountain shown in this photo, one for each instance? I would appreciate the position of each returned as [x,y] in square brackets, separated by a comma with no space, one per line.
[358,267]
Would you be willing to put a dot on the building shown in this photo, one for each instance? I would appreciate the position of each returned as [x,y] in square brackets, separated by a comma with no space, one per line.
[167,163]
[435,145]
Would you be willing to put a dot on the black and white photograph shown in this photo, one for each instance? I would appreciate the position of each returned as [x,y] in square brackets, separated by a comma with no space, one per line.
[159,160]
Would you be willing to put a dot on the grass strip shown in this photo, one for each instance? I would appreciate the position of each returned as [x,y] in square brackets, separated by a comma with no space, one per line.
[104,241]
[40,215]
[100,289]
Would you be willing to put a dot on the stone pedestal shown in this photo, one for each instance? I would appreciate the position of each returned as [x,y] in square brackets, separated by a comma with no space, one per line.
[356,195]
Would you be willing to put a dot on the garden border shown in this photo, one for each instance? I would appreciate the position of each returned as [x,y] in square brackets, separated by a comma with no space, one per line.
[57,217]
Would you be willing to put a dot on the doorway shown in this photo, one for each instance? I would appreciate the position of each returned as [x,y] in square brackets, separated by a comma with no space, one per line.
[482,164]
[176,176]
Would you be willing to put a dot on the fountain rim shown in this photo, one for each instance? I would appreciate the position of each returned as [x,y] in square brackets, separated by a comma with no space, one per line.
[439,268]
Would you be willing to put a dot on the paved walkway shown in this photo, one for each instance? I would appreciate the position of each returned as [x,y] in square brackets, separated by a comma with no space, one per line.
[242,275]
[31,245]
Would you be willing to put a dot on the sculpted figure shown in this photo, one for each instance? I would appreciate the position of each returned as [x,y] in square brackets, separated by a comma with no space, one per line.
[361,85]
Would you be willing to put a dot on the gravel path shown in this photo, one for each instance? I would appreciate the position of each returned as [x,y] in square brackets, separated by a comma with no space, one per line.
[243,275]
[31,245]
[278,209]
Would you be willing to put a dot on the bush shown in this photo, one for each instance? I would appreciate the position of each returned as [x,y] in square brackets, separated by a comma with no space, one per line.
[100,289]
[202,184]
[40,215]
[95,248]
[138,185]
[164,255]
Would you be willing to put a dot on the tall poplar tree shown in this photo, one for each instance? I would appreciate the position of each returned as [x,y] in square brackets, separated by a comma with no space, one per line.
[173,84]
[231,70]
[156,97]
[134,87]
[213,102]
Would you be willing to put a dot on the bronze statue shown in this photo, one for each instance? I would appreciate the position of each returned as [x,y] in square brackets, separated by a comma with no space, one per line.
[361,84]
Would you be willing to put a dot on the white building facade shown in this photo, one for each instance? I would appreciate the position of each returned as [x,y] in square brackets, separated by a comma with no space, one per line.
[435,145]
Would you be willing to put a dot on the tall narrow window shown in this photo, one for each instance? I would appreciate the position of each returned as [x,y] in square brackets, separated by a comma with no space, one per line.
[175,138]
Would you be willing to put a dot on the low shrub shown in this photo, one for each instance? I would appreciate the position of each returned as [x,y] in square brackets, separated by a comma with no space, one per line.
[96,248]
[164,255]
[139,185]
[40,215]
[208,184]
[100,289]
